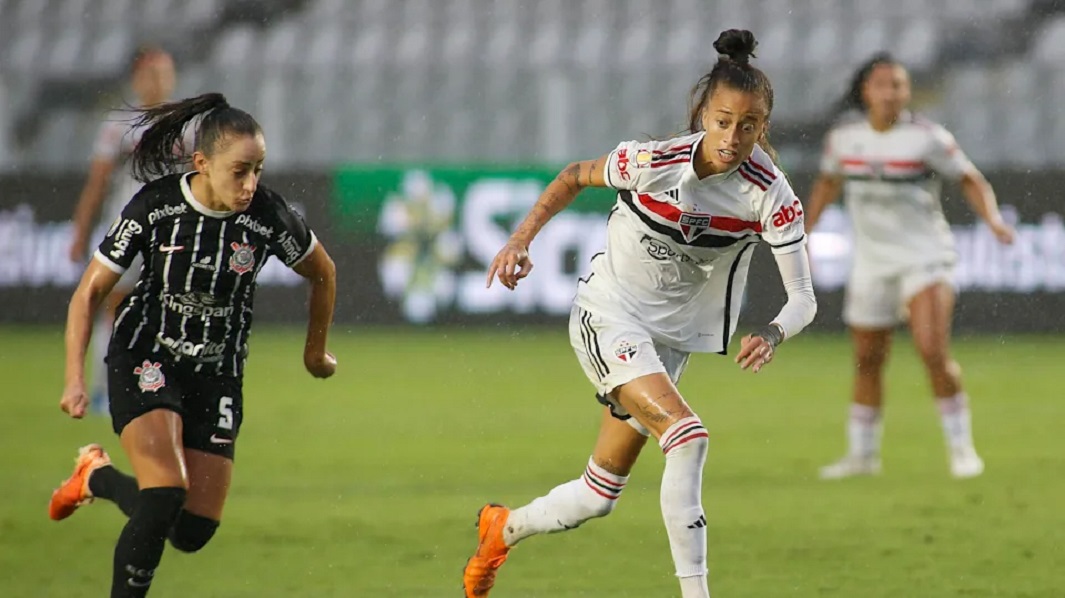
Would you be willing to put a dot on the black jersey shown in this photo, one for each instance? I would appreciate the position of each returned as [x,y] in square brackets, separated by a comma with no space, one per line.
[193,299]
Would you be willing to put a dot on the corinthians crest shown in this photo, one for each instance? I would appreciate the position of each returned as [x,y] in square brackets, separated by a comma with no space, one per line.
[243,258]
[151,376]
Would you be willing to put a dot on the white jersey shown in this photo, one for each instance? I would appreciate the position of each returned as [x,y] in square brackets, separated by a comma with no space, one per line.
[892,193]
[115,141]
[678,248]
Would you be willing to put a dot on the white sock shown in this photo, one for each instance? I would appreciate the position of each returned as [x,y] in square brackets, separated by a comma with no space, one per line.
[863,430]
[957,421]
[594,494]
[101,337]
[685,445]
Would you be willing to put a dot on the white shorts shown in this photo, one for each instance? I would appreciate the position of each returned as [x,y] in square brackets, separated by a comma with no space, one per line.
[879,301]
[613,353]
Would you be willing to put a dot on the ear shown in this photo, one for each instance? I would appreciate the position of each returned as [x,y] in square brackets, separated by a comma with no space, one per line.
[199,162]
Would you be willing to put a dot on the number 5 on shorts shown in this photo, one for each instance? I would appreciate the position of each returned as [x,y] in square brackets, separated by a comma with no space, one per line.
[225,409]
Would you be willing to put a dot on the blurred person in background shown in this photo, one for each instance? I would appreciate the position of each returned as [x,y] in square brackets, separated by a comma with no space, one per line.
[889,162]
[152,79]
[176,358]
[689,212]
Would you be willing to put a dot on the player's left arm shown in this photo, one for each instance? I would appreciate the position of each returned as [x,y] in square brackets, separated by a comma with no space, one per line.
[783,228]
[948,159]
[320,271]
[298,248]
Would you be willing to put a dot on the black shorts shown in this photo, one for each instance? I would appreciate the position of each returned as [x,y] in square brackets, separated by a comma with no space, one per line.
[211,407]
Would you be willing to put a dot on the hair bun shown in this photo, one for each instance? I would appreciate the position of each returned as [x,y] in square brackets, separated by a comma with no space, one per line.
[737,45]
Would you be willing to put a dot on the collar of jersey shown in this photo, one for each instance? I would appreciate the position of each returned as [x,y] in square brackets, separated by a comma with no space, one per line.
[714,178]
[186,192]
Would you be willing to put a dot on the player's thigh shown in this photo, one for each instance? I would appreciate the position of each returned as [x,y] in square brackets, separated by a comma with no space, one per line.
[146,413]
[931,313]
[654,401]
[871,300]
[209,478]
[152,442]
[612,353]
[618,445]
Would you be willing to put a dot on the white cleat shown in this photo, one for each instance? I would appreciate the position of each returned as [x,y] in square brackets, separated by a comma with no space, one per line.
[851,466]
[965,463]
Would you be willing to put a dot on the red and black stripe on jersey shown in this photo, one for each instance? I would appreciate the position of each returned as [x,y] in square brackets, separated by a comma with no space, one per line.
[678,154]
[756,174]
[194,298]
[672,213]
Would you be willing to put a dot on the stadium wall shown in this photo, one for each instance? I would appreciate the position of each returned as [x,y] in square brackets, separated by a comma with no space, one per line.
[412,243]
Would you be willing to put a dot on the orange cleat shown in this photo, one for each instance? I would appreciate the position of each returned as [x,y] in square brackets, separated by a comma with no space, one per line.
[74,492]
[480,573]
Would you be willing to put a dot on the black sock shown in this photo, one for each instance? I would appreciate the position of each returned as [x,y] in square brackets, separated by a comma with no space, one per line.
[115,486]
[140,546]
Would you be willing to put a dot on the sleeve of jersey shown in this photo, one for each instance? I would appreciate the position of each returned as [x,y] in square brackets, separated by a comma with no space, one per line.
[108,142]
[783,224]
[625,164]
[295,240]
[945,157]
[127,236]
[829,156]
[801,307]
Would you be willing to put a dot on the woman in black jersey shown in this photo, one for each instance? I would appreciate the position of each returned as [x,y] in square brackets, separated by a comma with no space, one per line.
[176,357]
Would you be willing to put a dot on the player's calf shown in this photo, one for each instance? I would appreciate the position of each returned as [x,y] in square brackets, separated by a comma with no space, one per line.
[191,532]
[594,494]
[140,546]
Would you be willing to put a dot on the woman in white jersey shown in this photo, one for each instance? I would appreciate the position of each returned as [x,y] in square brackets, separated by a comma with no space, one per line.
[689,212]
[889,164]
[152,79]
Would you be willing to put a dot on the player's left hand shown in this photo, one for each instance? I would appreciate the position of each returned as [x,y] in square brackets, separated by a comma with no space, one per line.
[1003,232]
[322,365]
[755,353]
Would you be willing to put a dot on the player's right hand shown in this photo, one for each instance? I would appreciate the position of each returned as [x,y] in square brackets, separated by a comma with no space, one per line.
[74,401]
[511,264]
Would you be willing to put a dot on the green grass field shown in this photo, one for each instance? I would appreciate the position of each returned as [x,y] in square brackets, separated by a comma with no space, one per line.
[368,484]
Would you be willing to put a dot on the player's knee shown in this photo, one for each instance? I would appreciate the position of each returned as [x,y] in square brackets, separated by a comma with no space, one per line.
[687,437]
[192,532]
[934,356]
[870,361]
[158,508]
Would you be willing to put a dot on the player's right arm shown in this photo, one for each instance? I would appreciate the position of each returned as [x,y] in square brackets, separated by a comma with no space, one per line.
[827,186]
[127,237]
[512,263]
[94,287]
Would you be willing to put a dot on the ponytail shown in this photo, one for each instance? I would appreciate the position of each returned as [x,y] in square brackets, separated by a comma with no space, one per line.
[160,150]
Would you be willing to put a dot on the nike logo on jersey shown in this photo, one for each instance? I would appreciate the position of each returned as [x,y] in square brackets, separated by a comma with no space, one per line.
[170,248]
[216,439]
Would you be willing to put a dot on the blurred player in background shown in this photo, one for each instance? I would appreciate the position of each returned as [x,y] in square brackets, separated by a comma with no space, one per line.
[888,162]
[152,79]
[177,356]
[689,213]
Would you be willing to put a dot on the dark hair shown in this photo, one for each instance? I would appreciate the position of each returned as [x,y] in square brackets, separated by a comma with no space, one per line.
[853,100]
[733,68]
[156,153]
